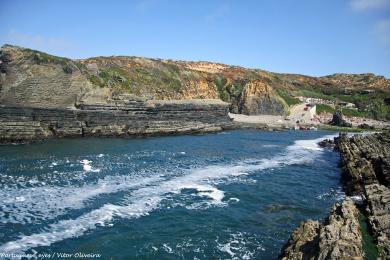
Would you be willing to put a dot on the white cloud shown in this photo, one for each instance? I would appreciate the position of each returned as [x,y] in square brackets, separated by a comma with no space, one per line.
[53,45]
[364,5]
[382,31]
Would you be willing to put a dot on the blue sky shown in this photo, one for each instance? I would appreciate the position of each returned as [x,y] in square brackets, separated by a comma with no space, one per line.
[313,37]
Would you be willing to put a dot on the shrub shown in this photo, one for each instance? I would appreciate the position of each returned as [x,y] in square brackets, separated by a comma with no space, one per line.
[67,68]
[354,112]
[323,108]
[287,97]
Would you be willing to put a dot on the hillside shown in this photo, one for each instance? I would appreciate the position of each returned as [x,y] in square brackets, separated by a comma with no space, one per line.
[36,79]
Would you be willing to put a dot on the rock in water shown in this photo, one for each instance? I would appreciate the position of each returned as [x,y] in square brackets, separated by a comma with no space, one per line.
[327,143]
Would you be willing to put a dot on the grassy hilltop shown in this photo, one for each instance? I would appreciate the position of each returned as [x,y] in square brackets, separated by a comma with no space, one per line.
[33,78]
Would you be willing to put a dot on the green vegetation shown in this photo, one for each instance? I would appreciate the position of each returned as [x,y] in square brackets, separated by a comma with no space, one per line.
[342,129]
[323,108]
[41,58]
[368,105]
[67,68]
[44,58]
[172,83]
[227,91]
[379,110]
[96,80]
[314,94]
[354,112]
[290,101]
[369,247]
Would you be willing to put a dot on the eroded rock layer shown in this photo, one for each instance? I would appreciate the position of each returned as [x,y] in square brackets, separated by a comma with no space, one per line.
[119,118]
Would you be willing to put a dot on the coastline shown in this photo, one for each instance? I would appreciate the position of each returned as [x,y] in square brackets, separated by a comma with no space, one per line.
[358,227]
[138,118]
[120,118]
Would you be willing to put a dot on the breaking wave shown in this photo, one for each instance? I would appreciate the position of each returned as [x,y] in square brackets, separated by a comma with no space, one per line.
[145,194]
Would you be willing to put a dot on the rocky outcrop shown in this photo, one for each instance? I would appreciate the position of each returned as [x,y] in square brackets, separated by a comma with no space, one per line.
[259,98]
[120,118]
[327,143]
[338,237]
[337,120]
[304,242]
[365,161]
[366,174]
[378,210]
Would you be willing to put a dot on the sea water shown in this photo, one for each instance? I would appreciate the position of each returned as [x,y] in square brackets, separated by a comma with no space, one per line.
[236,194]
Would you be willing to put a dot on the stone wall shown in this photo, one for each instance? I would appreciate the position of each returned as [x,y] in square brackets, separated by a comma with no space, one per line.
[121,118]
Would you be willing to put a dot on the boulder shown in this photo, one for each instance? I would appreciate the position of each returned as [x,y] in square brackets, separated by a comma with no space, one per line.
[337,120]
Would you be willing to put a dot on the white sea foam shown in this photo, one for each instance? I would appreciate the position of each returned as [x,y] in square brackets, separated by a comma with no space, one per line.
[44,203]
[87,165]
[237,246]
[148,196]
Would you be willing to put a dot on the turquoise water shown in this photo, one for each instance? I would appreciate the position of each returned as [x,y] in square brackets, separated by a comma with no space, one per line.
[236,194]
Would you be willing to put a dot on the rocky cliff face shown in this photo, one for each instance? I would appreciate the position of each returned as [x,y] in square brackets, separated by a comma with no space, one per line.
[259,98]
[37,79]
[118,118]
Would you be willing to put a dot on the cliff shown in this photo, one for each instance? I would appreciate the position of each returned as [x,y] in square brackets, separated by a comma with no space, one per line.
[36,79]
[118,118]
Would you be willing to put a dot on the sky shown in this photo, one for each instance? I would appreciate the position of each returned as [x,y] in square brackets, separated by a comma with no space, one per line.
[311,37]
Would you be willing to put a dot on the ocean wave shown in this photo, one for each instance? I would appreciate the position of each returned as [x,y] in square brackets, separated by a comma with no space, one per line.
[147,195]
[27,205]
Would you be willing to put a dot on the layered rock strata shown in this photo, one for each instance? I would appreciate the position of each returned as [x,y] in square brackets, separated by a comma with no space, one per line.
[119,118]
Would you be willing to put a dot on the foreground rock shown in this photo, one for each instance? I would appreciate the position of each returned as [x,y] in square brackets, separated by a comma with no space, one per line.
[119,118]
[338,237]
[378,210]
[365,163]
[365,160]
